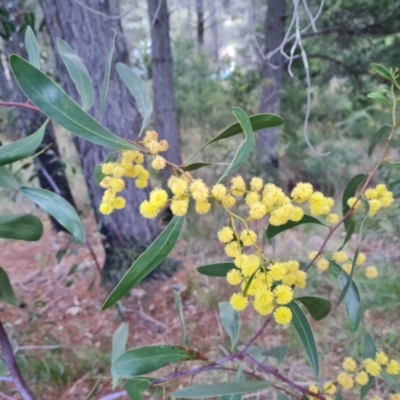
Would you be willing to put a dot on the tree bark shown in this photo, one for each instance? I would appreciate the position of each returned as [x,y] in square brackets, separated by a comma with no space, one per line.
[90,33]
[272,74]
[200,22]
[166,120]
[49,166]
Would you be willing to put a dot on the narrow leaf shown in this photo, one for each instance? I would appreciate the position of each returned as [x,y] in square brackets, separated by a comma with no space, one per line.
[306,336]
[318,307]
[247,146]
[32,47]
[368,352]
[7,179]
[279,353]
[384,131]
[58,208]
[156,253]
[119,340]
[179,310]
[21,227]
[138,91]
[394,165]
[95,389]
[258,122]
[352,298]
[349,192]
[58,106]
[6,291]
[219,269]
[383,72]
[220,389]
[106,80]
[143,360]
[230,320]
[197,165]
[275,230]
[78,73]
[378,97]
[281,396]
[238,378]
[351,226]
[136,387]
[22,148]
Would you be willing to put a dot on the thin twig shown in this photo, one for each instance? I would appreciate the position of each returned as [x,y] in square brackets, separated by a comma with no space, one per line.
[12,366]
[19,348]
[16,104]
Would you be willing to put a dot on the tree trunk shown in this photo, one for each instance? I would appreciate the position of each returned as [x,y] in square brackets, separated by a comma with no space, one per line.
[49,166]
[90,32]
[272,73]
[166,120]
[200,22]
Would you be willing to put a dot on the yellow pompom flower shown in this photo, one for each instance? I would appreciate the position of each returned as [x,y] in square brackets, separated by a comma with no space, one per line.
[118,171]
[105,182]
[106,209]
[381,189]
[362,378]
[159,197]
[372,367]
[332,219]
[109,196]
[371,193]
[150,135]
[313,389]
[248,237]
[117,184]
[292,265]
[289,279]
[352,202]
[386,200]
[228,201]
[283,294]
[371,272]
[395,396]
[233,249]
[340,257]
[218,191]
[141,183]
[107,168]
[393,368]
[319,204]
[250,264]
[179,207]
[374,206]
[301,279]
[283,315]
[297,214]
[119,203]
[347,268]
[361,259]
[256,184]
[238,302]
[163,145]
[322,264]
[329,388]
[148,209]
[199,190]
[281,215]
[257,211]
[263,308]
[349,364]
[177,185]
[345,380]
[225,235]
[302,192]
[252,198]
[312,255]
[381,358]
[158,163]
[277,271]
[234,277]
[238,186]
[202,207]
[153,146]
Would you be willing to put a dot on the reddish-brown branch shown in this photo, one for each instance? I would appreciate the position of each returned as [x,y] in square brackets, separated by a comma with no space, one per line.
[12,366]
[15,104]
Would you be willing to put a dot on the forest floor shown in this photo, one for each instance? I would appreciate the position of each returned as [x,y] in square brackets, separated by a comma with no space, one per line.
[63,340]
